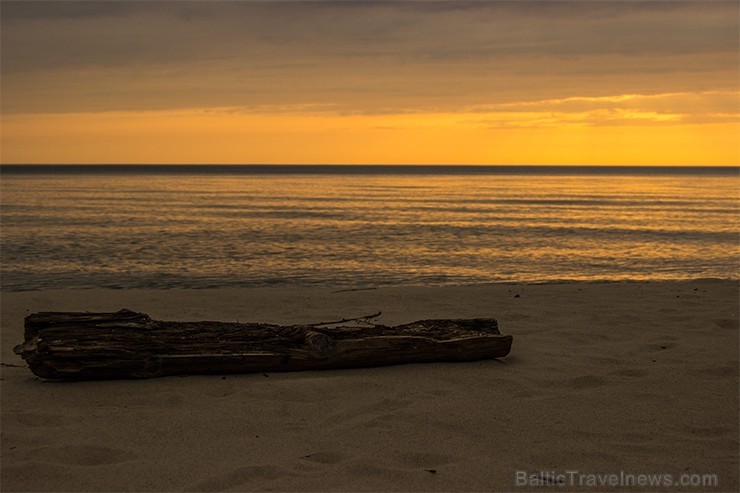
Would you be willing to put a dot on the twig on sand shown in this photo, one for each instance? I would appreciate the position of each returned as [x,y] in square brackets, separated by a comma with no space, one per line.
[364,320]
[353,289]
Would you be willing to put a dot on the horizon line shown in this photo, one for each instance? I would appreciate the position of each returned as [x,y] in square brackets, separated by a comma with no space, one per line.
[470,165]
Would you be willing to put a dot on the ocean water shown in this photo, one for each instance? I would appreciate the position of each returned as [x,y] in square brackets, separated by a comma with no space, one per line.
[199,227]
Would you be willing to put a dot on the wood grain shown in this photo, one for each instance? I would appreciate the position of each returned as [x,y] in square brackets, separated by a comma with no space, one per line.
[127,344]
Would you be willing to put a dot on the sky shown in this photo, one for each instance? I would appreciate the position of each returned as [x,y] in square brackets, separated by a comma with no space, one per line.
[363,82]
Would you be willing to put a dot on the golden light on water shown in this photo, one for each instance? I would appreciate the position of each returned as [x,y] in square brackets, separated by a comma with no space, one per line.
[172,229]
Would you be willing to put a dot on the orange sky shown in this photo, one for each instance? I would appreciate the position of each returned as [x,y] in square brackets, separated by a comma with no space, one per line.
[651,83]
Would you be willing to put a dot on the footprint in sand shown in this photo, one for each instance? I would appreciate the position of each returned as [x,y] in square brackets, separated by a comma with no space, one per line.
[373,471]
[635,437]
[80,455]
[164,400]
[436,393]
[727,323]
[667,310]
[240,477]
[584,434]
[422,459]
[631,372]
[642,448]
[604,361]
[668,338]
[718,371]
[582,382]
[324,457]
[221,389]
[710,431]
[649,397]
[38,420]
[587,382]
[368,413]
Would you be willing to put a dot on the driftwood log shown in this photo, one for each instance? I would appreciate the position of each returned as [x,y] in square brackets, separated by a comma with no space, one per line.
[126,344]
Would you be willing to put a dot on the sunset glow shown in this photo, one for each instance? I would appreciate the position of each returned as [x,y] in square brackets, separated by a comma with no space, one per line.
[224,136]
[634,83]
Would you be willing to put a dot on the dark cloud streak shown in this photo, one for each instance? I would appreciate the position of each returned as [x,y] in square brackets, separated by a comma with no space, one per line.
[357,56]
[76,9]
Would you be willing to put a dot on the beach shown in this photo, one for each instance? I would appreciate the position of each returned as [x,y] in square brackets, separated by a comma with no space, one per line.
[569,169]
[603,378]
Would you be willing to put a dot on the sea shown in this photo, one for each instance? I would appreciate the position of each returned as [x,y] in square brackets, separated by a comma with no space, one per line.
[350,227]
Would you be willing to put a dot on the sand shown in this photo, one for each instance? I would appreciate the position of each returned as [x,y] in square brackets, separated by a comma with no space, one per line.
[639,378]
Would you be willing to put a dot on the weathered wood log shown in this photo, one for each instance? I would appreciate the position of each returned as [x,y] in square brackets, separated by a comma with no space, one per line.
[126,344]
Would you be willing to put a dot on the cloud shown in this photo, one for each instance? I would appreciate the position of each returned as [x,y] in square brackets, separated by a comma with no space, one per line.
[615,110]
[688,102]
[357,57]
[15,11]
[44,35]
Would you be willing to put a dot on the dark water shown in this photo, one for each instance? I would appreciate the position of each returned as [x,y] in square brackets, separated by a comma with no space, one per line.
[198,226]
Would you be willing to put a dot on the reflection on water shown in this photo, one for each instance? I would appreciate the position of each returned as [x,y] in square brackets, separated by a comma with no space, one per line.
[203,230]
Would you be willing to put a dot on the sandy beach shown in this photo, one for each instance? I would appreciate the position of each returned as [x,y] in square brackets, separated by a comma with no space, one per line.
[603,378]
